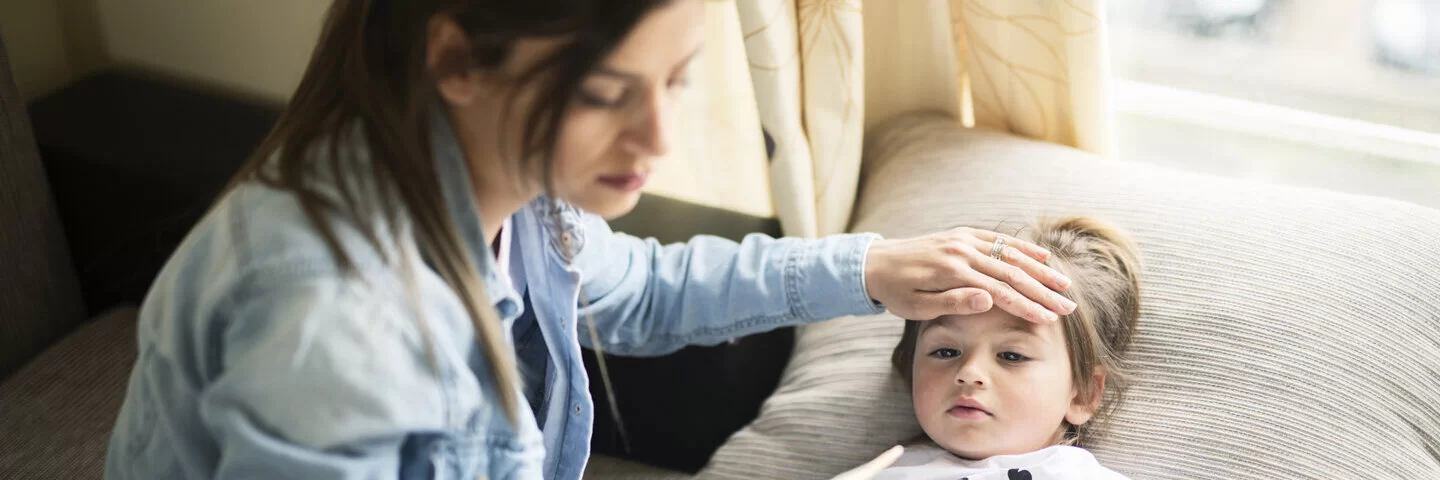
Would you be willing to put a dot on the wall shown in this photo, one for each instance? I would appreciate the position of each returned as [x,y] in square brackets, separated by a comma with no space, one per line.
[34,36]
[257,47]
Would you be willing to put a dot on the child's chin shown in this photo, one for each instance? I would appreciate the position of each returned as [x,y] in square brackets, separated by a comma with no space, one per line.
[969,449]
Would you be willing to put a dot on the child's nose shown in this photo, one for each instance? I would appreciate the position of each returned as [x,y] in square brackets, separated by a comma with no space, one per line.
[971,372]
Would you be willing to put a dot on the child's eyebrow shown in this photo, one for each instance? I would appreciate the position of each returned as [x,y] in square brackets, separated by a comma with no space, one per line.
[1022,326]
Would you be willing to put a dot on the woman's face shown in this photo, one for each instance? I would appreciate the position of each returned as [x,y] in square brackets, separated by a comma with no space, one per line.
[616,127]
[620,123]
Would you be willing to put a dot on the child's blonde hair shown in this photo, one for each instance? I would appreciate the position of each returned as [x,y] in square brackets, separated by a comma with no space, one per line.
[1104,267]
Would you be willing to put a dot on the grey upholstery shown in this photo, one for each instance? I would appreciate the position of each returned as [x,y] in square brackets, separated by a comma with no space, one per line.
[59,409]
[39,296]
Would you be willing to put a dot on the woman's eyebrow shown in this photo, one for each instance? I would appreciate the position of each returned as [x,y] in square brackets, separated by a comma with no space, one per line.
[635,77]
[626,76]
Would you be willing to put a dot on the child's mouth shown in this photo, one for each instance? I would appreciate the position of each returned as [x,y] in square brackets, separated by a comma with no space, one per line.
[967,413]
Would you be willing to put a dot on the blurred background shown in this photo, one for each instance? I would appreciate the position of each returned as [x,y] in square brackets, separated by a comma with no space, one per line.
[1340,94]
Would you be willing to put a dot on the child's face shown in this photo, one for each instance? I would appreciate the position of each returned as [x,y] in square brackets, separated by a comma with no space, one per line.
[994,384]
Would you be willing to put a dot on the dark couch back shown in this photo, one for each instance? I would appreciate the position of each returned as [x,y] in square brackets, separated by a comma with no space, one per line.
[39,297]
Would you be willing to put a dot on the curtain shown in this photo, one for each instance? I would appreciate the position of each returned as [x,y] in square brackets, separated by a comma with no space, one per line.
[718,158]
[813,74]
[1038,68]
[807,64]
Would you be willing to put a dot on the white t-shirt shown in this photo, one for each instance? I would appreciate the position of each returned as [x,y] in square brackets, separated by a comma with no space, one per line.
[929,462]
[502,254]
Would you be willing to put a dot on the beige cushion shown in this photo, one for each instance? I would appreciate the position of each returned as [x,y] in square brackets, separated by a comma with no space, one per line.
[1285,332]
[57,412]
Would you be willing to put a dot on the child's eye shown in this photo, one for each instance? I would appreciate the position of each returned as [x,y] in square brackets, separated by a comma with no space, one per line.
[945,353]
[1013,357]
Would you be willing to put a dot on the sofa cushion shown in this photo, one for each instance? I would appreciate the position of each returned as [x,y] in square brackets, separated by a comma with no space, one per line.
[1284,333]
[58,410]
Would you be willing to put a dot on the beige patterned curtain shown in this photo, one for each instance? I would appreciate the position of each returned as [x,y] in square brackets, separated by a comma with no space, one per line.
[1038,68]
[794,68]
[815,73]
[807,65]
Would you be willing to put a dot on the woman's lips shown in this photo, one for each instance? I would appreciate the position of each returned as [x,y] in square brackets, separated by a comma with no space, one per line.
[625,183]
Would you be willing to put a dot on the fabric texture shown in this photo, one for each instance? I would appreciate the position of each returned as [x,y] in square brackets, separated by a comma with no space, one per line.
[1036,69]
[807,63]
[1284,332]
[910,61]
[39,295]
[57,411]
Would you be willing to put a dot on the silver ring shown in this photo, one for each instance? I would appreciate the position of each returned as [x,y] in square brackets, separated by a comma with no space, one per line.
[997,251]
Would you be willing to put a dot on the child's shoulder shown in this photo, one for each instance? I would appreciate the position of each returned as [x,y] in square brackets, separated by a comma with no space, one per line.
[929,460]
[1073,462]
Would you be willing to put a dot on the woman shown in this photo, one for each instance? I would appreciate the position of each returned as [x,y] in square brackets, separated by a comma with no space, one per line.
[364,300]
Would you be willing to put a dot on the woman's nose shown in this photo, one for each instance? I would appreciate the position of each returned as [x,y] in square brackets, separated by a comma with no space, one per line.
[650,132]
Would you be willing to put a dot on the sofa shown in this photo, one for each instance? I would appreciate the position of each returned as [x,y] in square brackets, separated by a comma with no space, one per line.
[1285,332]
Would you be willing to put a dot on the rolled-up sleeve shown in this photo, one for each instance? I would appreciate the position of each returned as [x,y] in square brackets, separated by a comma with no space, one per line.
[651,299]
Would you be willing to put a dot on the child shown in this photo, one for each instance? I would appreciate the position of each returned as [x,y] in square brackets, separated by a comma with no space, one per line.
[1004,398]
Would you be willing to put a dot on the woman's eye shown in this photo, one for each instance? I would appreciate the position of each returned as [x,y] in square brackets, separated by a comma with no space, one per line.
[945,353]
[599,101]
[1013,357]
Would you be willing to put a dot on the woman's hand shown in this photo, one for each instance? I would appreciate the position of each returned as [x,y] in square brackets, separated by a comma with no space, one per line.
[952,273]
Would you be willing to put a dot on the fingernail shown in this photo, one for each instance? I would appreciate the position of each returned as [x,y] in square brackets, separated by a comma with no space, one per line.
[977,303]
[1064,282]
[1069,305]
[1051,316]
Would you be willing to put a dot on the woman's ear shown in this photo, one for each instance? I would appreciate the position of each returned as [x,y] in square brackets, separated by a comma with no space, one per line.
[1084,404]
[447,58]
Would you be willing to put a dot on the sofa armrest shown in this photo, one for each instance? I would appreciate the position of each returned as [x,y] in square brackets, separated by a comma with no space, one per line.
[39,295]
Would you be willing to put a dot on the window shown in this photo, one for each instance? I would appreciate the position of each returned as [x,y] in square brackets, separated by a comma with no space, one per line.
[1341,94]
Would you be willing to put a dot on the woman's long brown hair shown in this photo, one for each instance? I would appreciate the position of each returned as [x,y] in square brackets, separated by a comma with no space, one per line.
[368,81]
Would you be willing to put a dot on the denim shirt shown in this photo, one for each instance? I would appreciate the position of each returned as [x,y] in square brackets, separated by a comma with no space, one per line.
[258,358]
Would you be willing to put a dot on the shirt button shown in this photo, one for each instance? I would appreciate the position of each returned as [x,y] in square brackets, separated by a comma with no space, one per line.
[577,409]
